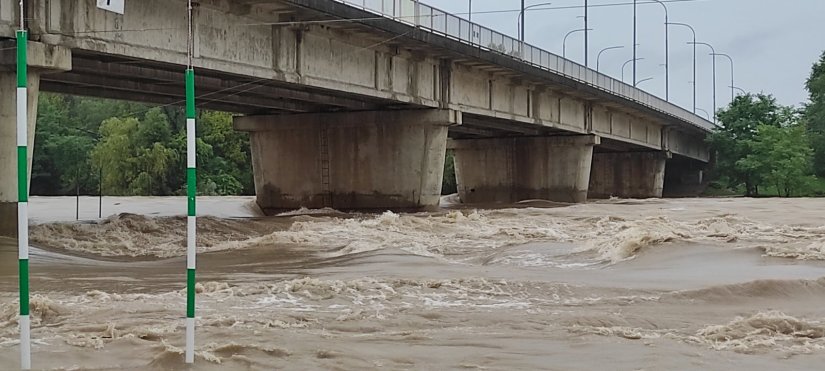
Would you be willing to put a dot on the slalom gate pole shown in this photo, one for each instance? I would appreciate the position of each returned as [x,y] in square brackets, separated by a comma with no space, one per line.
[23,192]
[191,192]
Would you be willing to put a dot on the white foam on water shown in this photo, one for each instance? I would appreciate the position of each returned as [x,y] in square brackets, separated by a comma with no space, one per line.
[458,236]
[799,250]
[764,332]
[306,211]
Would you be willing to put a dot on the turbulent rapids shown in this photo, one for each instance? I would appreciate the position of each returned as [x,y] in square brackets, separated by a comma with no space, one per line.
[647,284]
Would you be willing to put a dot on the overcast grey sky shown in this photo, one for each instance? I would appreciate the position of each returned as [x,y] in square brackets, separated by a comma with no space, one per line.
[774,43]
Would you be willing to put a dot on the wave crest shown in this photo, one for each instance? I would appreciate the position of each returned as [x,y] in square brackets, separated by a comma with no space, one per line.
[763,332]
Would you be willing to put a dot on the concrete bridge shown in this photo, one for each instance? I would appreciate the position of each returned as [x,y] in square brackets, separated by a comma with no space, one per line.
[354,110]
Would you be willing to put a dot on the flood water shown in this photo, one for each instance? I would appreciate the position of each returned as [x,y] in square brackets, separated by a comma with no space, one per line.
[619,284]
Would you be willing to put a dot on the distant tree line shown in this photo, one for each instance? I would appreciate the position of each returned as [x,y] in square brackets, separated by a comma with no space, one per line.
[764,148]
[138,150]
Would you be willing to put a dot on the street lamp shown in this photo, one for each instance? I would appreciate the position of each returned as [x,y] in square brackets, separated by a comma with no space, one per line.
[740,89]
[732,84]
[521,17]
[694,59]
[470,10]
[634,43]
[667,54]
[641,81]
[626,63]
[599,56]
[707,114]
[712,53]
[564,43]
[586,28]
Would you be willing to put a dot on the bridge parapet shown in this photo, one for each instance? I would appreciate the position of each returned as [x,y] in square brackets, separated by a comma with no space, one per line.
[413,12]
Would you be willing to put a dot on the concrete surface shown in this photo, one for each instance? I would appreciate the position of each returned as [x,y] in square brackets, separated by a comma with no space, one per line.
[360,160]
[301,79]
[627,175]
[42,59]
[506,170]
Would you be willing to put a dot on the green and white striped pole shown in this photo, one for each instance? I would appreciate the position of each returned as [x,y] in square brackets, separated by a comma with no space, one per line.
[191,192]
[23,193]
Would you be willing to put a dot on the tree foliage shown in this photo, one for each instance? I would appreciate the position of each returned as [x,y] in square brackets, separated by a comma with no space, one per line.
[779,156]
[815,114]
[743,122]
[139,150]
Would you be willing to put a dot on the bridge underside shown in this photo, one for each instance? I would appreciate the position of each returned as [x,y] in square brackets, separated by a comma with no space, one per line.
[517,131]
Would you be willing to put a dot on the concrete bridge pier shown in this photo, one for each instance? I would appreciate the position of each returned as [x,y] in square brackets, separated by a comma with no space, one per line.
[506,170]
[374,160]
[42,59]
[628,174]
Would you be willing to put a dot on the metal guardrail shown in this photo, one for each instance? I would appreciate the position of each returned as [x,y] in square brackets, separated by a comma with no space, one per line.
[445,24]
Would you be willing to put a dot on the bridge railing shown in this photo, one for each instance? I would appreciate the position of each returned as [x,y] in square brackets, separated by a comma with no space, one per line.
[460,29]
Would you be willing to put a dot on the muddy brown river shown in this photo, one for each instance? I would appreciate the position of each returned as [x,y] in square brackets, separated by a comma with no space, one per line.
[693,284]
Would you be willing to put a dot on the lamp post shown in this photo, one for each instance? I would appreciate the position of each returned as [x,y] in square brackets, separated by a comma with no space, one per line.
[521,17]
[417,13]
[634,43]
[707,114]
[667,54]
[626,63]
[732,84]
[586,31]
[712,53]
[470,10]
[564,43]
[694,58]
[641,81]
[740,89]
[599,56]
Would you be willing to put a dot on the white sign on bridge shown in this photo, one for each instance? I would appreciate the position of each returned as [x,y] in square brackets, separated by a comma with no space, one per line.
[116,6]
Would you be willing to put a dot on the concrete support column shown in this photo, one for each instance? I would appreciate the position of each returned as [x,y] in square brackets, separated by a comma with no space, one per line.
[628,175]
[42,59]
[375,160]
[506,170]
[8,145]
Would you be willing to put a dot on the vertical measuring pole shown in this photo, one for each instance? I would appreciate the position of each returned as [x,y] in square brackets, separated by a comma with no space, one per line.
[23,193]
[191,192]
[191,222]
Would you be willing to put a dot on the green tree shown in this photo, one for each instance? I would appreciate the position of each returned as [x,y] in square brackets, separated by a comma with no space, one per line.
[732,142]
[225,159]
[781,157]
[815,114]
[46,175]
[135,156]
[115,155]
[67,130]
[141,150]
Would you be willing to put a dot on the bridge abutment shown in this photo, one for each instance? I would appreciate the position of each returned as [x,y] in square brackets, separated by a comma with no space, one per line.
[375,160]
[8,145]
[506,170]
[42,59]
[628,174]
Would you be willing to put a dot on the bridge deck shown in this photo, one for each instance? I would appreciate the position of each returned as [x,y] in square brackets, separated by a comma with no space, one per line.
[272,56]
